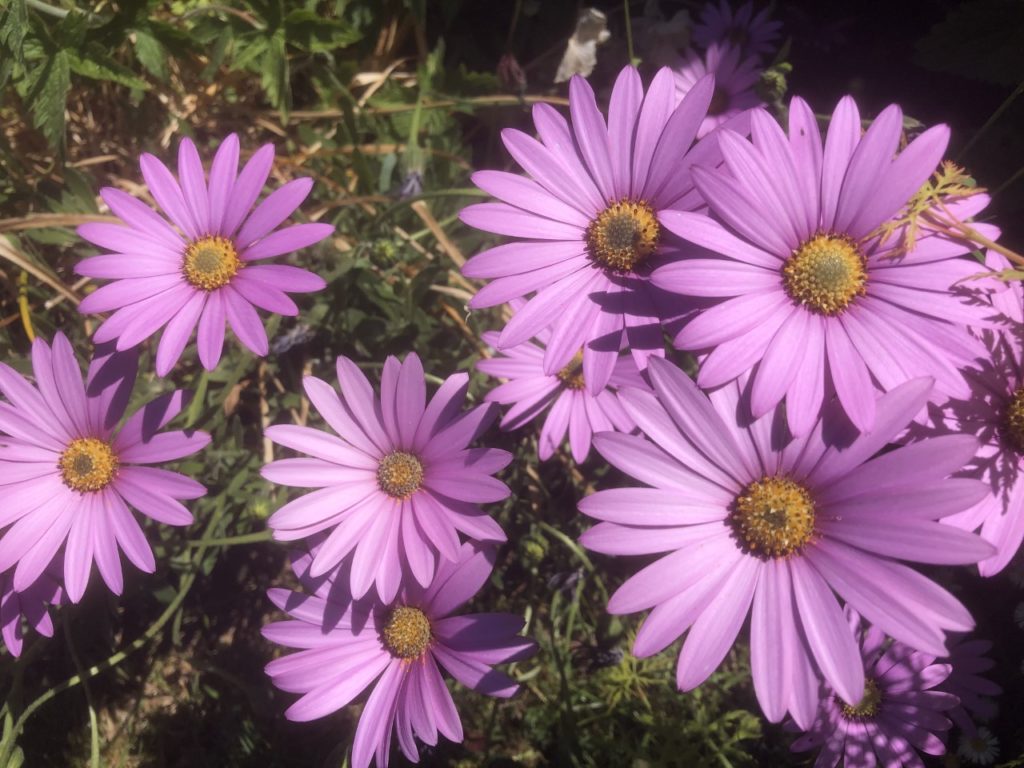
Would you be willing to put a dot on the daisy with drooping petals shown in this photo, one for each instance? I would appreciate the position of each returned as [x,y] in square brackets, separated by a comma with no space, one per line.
[735,79]
[68,473]
[588,219]
[900,712]
[812,298]
[571,408]
[201,268]
[754,521]
[994,413]
[976,693]
[752,33]
[30,606]
[397,484]
[346,645]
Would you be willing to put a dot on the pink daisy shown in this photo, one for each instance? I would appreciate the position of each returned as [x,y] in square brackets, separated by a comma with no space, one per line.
[969,659]
[68,472]
[346,645]
[751,517]
[569,404]
[752,33]
[993,413]
[589,218]
[900,712]
[398,482]
[811,298]
[198,269]
[31,607]
[734,83]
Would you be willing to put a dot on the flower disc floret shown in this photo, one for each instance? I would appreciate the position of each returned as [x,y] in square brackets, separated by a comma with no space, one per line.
[400,474]
[572,375]
[407,632]
[87,465]
[774,517]
[1013,420]
[825,274]
[867,707]
[623,235]
[211,262]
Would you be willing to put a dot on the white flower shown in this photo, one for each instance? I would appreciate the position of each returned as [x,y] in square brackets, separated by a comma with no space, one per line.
[981,749]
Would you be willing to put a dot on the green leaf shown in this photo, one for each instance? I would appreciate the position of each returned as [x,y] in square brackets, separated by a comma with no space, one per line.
[151,53]
[96,64]
[311,32]
[13,28]
[274,73]
[47,95]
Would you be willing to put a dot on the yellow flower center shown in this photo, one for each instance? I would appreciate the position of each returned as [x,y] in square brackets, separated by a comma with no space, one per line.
[1013,421]
[87,464]
[399,474]
[867,707]
[825,274]
[623,235]
[773,517]
[211,262]
[572,375]
[407,632]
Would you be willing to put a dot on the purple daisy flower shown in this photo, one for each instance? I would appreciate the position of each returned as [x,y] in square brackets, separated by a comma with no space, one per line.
[752,33]
[734,83]
[347,645]
[397,484]
[899,713]
[589,216]
[571,407]
[201,270]
[994,414]
[68,473]
[969,659]
[812,297]
[31,606]
[749,516]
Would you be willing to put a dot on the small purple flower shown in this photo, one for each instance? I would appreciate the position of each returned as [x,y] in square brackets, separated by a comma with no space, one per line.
[68,473]
[398,482]
[346,645]
[570,405]
[900,712]
[993,413]
[31,606]
[735,79]
[750,520]
[752,33]
[969,659]
[201,270]
[810,296]
[587,222]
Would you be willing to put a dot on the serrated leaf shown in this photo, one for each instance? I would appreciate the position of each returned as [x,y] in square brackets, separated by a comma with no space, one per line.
[151,53]
[96,64]
[274,73]
[311,32]
[47,95]
[14,27]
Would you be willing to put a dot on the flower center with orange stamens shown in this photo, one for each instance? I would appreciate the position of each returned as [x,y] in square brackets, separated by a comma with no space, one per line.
[211,262]
[400,474]
[825,274]
[623,235]
[773,517]
[867,707]
[87,464]
[407,632]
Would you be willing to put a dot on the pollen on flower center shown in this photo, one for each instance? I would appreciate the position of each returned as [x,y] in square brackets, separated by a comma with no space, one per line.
[400,474]
[87,464]
[211,262]
[867,707]
[623,235]
[572,375]
[825,274]
[1013,421]
[407,632]
[773,517]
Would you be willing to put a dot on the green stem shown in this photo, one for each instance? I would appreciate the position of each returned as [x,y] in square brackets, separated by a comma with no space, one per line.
[230,541]
[991,121]
[94,734]
[629,34]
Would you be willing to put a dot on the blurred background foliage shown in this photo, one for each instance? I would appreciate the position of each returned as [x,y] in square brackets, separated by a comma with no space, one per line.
[389,105]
